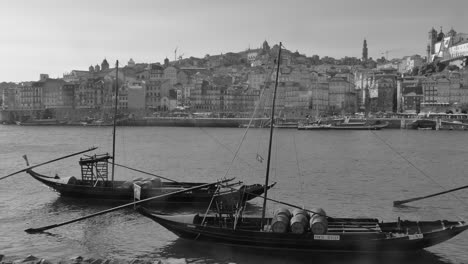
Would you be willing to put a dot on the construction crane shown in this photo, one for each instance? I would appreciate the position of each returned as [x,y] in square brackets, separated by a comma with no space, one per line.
[386,54]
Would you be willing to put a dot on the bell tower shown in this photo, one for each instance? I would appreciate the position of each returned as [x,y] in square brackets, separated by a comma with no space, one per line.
[364,51]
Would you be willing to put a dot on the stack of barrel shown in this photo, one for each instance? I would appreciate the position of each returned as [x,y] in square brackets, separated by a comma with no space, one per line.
[318,221]
[299,221]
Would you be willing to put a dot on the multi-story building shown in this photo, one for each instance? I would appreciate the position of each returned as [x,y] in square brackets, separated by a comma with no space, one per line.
[240,100]
[156,71]
[29,96]
[205,97]
[136,95]
[171,74]
[411,95]
[53,95]
[342,94]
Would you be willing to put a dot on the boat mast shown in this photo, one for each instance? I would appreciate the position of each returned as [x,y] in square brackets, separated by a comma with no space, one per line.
[272,118]
[115,117]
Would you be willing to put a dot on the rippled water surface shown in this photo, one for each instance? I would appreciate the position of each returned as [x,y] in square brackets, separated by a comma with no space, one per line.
[348,173]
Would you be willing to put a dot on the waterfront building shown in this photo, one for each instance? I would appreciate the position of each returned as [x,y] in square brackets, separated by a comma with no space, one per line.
[53,94]
[240,101]
[205,97]
[29,96]
[155,91]
[90,93]
[412,95]
[136,94]
[342,94]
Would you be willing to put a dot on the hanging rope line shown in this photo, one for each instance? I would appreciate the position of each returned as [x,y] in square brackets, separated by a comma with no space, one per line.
[418,169]
[298,167]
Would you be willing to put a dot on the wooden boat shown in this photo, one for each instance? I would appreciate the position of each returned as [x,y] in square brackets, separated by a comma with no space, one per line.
[343,234]
[103,189]
[306,230]
[96,183]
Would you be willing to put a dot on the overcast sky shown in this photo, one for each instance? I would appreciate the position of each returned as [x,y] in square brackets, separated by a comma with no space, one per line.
[57,36]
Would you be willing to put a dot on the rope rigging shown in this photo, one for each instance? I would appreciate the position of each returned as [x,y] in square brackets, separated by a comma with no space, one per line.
[418,169]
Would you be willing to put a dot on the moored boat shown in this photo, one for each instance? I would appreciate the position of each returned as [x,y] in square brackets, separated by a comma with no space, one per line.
[98,182]
[359,126]
[342,235]
[314,126]
[304,229]
[102,188]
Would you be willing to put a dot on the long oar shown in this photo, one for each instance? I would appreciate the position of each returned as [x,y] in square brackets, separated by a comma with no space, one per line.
[397,203]
[147,173]
[47,162]
[41,229]
[144,172]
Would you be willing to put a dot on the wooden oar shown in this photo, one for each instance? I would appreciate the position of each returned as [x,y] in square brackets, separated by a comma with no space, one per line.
[147,173]
[47,162]
[41,229]
[144,172]
[397,203]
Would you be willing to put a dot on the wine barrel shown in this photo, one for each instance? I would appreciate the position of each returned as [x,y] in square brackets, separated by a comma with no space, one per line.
[301,212]
[318,222]
[156,183]
[299,224]
[283,211]
[280,224]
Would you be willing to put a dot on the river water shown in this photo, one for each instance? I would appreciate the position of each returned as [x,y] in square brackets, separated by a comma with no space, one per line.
[347,173]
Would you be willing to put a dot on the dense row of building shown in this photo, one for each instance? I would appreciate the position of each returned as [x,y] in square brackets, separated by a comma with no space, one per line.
[235,84]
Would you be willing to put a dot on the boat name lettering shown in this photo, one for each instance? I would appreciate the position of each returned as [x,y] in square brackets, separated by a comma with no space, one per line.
[415,236]
[326,237]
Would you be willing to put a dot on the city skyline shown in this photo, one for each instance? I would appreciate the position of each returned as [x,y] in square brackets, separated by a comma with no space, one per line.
[55,37]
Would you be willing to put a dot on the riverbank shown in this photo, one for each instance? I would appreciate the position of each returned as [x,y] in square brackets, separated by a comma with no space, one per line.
[81,260]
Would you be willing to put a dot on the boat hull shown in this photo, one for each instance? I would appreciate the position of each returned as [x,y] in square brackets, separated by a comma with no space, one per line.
[107,192]
[371,242]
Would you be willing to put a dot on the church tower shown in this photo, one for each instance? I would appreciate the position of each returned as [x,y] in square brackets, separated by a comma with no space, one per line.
[432,39]
[104,65]
[364,51]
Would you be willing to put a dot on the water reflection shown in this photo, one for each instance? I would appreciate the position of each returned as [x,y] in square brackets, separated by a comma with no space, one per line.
[201,252]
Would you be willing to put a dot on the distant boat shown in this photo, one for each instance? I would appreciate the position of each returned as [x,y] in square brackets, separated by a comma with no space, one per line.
[359,126]
[41,122]
[293,125]
[423,123]
[314,126]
